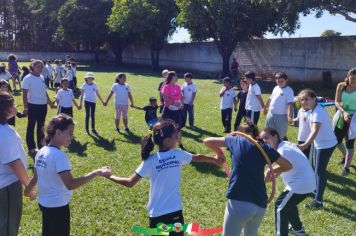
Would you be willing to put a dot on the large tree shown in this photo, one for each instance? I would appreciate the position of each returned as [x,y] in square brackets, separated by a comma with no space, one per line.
[150,21]
[83,23]
[228,22]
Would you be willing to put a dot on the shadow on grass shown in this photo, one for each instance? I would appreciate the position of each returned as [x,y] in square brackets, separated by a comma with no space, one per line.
[131,137]
[207,168]
[78,148]
[103,142]
[341,210]
[348,186]
[201,133]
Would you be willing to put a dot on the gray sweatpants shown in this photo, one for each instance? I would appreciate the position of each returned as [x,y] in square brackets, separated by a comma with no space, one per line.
[10,209]
[240,216]
[279,122]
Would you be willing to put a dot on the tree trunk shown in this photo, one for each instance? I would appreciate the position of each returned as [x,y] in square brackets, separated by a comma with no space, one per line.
[118,55]
[226,54]
[155,59]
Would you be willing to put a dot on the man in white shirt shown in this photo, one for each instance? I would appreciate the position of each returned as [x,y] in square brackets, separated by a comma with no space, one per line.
[189,90]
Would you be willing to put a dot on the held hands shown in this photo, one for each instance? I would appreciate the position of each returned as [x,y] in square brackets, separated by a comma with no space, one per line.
[30,193]
[347,117]
[265,110]
[25,112]
[290,121]
[268,176]
[302,147]
[105,171]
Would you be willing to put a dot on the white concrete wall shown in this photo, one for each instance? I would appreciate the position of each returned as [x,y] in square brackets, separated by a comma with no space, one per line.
[26,56]
[303,59]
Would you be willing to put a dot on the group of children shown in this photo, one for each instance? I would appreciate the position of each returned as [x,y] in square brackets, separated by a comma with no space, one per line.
[53,170]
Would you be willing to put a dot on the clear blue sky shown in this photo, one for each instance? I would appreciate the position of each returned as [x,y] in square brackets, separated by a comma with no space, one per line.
[310,26]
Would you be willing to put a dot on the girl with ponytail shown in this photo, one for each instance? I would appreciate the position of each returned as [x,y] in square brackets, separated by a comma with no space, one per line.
[164,170]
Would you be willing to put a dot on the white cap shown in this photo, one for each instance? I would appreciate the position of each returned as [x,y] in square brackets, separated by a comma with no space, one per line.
[89,75]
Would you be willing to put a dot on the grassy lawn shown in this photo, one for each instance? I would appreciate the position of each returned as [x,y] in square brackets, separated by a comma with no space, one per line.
[103,208]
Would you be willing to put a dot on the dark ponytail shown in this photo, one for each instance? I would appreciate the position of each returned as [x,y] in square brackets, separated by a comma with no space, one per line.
[249,128]
[163,129]
[59,122]
[147,146]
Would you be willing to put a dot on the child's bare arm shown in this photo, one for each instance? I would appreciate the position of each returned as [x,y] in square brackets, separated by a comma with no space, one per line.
[127,182]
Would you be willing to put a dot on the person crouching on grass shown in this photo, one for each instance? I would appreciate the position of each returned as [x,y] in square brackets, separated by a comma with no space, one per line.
[54,178]
[299,181]
[246,194]
[164,170]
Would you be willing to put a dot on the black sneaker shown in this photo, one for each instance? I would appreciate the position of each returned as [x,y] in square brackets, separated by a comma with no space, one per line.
[86,132]
[226,131]
[127,129]
[94,132]
[314,205]
[118,130]
[300,232]
[345,172]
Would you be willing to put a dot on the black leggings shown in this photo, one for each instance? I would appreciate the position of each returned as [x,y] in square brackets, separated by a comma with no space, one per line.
[36,116]
[89,110]
[342,133]
[55,221]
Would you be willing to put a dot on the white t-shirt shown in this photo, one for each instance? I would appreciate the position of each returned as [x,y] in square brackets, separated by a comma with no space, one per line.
[59,74]
[304,124]
[89,92]
[50,71]
[164,170]
[10,150]
[69,74]
[50,162]
[36,89]
[65,98]
[252,102]
[280,99]
[301,178]
[188,91]
[121,93]
[5,76]
[325,137]
[227,101]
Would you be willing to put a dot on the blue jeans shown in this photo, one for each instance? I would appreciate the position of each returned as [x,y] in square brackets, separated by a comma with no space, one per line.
[188,110]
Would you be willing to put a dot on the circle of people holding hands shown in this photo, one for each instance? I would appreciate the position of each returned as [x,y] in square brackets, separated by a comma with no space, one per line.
[246,193]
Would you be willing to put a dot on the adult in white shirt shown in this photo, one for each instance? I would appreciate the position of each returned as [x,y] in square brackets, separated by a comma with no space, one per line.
[280,106]
[13,173]
[189,90]
[35,100]
[299,182]
[254,101]
[324,140]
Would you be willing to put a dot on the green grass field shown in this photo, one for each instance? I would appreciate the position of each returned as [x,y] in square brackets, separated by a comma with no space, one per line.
[104,208]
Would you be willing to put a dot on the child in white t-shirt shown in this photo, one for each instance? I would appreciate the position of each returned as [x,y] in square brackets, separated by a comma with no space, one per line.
[70,76]
[189,90]
[324,140]
[54,178]
[59,74]
[122,93]
[50,70]
[89,92]
[280,106]
[65,99]
[303,119]
[228,101]
[164,170]
[254,101]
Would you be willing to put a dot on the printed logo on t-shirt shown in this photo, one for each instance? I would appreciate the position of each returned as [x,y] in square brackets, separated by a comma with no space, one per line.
[169,162]
[41,162]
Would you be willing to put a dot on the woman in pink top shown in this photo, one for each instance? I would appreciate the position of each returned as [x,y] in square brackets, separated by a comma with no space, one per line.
[172,96]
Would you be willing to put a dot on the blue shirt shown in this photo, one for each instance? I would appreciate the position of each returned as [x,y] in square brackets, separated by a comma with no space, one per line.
[247,174]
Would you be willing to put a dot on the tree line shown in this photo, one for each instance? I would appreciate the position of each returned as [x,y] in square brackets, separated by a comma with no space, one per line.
[95,25]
